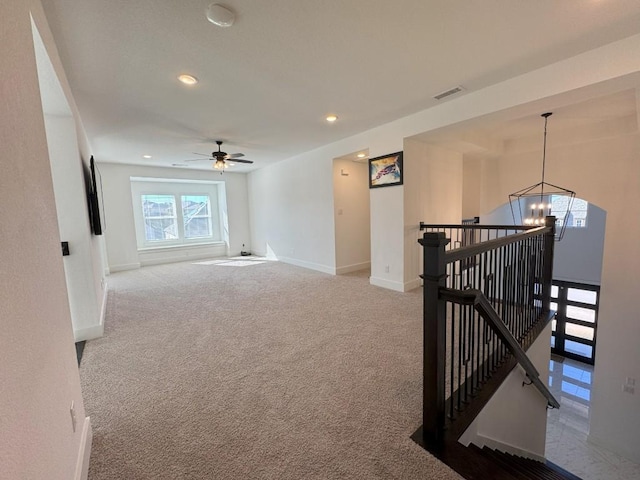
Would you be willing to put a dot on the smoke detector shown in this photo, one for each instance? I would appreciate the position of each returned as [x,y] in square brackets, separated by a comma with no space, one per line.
[220,16]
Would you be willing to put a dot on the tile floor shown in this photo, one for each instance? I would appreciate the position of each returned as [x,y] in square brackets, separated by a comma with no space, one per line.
[567,428]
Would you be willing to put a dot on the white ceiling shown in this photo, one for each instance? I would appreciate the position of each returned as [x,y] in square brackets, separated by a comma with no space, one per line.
[602,116]
[267,82]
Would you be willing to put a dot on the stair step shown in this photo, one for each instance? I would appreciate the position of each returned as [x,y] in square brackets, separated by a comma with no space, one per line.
[509,465]
[525,468]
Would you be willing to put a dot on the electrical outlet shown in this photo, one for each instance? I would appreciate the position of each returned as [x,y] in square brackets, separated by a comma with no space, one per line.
[72,410]
[629,389]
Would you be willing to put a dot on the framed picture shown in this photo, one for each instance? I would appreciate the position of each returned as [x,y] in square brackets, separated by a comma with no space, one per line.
[385,171]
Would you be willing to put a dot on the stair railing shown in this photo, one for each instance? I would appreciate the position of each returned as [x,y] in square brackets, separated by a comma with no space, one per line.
[481,301]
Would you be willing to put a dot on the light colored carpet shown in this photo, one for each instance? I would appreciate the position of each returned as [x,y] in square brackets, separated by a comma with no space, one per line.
[268,371]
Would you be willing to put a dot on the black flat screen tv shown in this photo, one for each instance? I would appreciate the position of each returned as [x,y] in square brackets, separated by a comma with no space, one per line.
[92,197]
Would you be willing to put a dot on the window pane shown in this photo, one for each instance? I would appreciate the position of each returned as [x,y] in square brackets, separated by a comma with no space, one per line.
[578,348]
[580,313]
[158,206]
[554,291]
[576,217]
[579,331]
[159,217]
[197,228]
[193,205]
[584,296]
[196,213]
[160,229]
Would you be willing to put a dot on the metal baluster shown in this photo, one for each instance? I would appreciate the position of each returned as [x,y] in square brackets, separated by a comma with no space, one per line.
[487,331]
[460,341]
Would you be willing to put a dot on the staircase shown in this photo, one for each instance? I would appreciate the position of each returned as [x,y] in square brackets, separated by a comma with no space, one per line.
[485,303]
[515,467]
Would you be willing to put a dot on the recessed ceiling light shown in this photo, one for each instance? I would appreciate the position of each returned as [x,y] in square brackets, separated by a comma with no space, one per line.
[187,79]
[332,118]
[361,155]
[146,156]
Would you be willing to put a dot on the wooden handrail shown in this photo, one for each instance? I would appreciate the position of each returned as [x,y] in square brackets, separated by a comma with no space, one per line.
[477,226]
[482,305]
[478,248]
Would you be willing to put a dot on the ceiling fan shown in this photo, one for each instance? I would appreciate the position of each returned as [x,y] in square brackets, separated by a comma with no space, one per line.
[220,158]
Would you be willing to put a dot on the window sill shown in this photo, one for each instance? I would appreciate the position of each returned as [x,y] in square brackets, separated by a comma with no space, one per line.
[161,248]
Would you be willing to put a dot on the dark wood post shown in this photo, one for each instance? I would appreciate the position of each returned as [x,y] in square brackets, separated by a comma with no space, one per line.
[547,265]
[434,337]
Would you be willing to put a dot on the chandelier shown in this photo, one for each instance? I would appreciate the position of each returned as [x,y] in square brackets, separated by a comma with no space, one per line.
[533,204]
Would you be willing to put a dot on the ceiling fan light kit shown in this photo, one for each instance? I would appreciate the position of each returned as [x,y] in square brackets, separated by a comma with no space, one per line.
[221,158]
[220,16]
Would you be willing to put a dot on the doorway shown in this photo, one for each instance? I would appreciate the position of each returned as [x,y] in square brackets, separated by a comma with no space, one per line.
[351,212]
[575,324]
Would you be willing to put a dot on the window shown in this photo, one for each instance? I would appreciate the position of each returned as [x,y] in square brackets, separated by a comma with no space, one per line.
[196,214]
[160,220]
[174,213]
[577,216]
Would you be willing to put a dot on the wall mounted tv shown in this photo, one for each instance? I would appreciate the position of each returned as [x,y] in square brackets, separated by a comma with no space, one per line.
[92,198]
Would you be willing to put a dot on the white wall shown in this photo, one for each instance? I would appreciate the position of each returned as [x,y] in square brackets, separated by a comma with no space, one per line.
[122,249]
[73,221]
[578,257]
[352,217]
[38,369]
[432,194]
[515,419]
[387,237]
[67,141]
[291,205]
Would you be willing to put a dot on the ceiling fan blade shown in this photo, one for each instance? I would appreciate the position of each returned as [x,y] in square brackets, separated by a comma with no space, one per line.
[234,155]
[197,159]
[203,154]
[237,160]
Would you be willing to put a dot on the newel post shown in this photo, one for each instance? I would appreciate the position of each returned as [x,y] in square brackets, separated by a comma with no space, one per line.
[547,264]
[434,337]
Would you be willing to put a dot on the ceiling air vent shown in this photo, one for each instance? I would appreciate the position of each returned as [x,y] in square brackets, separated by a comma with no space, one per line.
[451,91]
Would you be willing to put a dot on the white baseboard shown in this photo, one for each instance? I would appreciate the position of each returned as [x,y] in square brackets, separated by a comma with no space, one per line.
[309,265]
[412,285]
[388,284]
[84,454]
[626,451]
[95,331]
[356,267]
[160,256]
[89,333]
[123,267]
[481,441]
